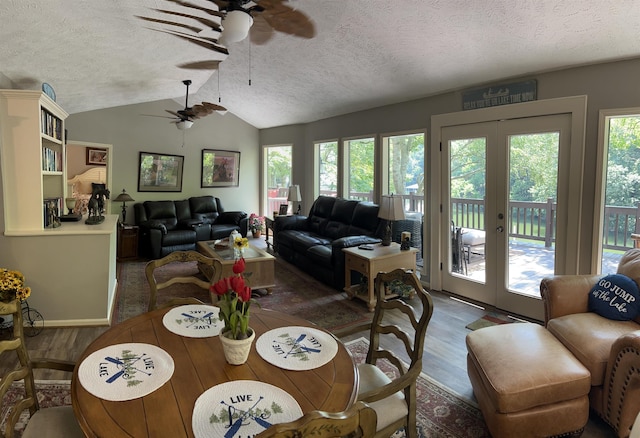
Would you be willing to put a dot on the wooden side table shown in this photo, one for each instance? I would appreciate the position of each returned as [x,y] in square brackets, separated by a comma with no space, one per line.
[268,225]
[127,242]
[370,262]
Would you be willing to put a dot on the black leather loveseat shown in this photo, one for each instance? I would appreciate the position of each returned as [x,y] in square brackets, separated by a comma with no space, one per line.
[314,243]
[167,226]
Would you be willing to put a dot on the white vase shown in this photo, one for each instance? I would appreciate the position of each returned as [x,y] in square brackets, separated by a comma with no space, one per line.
[236,351]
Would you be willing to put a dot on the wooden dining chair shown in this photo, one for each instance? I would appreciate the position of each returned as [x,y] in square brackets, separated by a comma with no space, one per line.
[50,422]
[394,400]
[359,421]
[211,264]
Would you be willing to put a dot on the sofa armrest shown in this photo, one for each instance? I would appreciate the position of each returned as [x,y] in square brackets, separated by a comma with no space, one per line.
[566,294]
[294,222]
[351,241]
[155,225]
[190,224]
[230,217]
[622,382]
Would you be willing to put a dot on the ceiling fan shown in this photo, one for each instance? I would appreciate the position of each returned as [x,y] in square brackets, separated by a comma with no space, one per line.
[184,118]
[258,18]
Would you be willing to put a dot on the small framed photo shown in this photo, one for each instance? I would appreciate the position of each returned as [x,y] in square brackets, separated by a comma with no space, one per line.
[284,208]
[220,168]
[160,172]
[96,156]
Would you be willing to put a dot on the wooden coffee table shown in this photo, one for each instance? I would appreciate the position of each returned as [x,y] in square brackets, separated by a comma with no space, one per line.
[370,262]
[259,271]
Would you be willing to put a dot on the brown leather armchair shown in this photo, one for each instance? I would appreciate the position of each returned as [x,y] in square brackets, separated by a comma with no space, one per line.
[609,349]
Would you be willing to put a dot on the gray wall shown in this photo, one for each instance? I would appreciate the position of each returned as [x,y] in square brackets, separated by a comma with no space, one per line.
[130,131]
[609,85]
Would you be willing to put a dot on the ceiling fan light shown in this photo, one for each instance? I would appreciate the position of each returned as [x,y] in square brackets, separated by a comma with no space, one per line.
[221,112]
[236,25]
[184,124]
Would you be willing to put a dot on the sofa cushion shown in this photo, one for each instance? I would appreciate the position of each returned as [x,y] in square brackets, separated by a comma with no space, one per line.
[179,237]
[230,217]
[589,337]
[162,211]
[320,255]
[204,208]
[615,297]
[365,219]
[320,213]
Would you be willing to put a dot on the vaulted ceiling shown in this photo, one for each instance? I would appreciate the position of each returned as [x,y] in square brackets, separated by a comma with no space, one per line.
[367,53]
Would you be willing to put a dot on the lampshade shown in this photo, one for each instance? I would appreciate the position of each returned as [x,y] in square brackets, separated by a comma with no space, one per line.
[294,193]
[236,25]
[184,124]
[391,208]
[123,197]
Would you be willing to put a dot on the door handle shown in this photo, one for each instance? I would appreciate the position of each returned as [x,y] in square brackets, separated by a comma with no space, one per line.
[500,229]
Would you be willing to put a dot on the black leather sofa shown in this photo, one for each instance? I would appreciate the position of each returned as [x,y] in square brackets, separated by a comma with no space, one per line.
[314,243]
[167,226]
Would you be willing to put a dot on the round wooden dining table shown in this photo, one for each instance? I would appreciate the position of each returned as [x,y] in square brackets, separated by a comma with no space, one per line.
[200,365]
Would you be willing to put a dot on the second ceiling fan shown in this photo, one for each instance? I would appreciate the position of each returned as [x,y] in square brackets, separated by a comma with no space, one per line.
[184,118]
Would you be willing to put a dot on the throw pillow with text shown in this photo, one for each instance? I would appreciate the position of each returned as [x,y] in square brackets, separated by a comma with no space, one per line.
[615,297]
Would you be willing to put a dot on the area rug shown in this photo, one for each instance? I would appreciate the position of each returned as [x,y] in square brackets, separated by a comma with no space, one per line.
[295,293]
[440,414]
[491,318]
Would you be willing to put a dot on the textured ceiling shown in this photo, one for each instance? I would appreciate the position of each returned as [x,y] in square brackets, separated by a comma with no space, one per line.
[367,53]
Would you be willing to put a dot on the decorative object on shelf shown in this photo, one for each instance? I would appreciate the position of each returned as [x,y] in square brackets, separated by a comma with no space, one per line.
[294,196]
[220,168]
[52,217]
[284,208]
[405,241]
[234,300]
[256,225]
[391,210]
[12,286]
[71,216]
[96,205]
[49,91]
[124,198]
[160,172]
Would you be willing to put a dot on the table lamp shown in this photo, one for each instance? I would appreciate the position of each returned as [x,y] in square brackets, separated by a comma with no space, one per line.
[124,198]
[294,196]
[391,210]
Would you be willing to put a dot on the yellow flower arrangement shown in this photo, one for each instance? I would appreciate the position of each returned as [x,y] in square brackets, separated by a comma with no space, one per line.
[12,286]
[240,243]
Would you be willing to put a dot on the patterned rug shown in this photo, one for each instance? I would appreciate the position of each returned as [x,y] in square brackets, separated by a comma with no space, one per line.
[441,414]
[295,293]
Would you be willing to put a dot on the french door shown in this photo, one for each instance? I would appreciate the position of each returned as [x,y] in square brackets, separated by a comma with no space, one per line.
[499,183]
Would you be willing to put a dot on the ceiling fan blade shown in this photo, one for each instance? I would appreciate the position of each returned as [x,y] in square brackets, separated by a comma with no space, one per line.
[200,65]
[213,106]
[200,42]
[209,39]
[209,23]
[261,31]
[287,20]
[198,7]
[155,115]
[156,20]
[179,116]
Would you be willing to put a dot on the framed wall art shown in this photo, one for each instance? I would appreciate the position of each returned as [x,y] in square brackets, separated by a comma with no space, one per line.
[96,156]
[160,172]
[220,168]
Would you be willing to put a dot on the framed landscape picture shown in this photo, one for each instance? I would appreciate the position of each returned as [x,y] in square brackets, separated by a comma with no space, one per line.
[160,172]
[220,168]
[96,156]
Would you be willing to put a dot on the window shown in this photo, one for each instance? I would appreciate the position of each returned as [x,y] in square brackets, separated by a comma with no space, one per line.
[360,175]
[327,161]
[277,165]
[405,168]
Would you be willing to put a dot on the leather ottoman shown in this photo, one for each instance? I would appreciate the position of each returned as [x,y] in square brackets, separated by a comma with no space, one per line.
[526,382]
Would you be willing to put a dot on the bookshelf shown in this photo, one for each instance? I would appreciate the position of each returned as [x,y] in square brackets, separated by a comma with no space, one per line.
[33,159]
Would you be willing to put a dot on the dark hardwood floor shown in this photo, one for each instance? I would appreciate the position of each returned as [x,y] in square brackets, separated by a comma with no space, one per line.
[444,349]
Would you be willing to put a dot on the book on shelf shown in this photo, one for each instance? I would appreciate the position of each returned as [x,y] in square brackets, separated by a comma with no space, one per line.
[50,124]
[51,160]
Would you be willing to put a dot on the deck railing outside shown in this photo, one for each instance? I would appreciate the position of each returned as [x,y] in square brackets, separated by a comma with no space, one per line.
[529,220]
